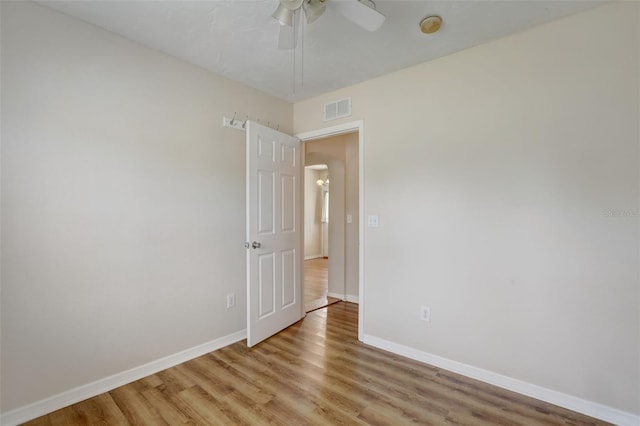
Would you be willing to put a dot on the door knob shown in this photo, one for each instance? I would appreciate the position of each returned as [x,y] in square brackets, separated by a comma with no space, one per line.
[255,245]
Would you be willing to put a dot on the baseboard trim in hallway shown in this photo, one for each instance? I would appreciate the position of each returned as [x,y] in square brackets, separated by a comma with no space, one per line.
[322,304]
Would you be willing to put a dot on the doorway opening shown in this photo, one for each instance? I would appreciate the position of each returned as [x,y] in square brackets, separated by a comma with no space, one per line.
[275,291]
[332,212]
[317,185]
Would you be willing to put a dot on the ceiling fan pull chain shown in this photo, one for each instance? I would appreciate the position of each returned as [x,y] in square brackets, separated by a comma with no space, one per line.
[302,30]
[294,54]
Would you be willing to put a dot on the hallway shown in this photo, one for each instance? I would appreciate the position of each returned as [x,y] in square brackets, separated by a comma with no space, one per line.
[316,272]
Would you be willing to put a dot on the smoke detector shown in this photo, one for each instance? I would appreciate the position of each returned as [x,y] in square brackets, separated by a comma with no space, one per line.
[430,24]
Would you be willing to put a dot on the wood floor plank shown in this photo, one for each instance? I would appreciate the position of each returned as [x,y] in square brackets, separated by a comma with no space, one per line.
[313,373]
[174,380]
[170,412]
[205,378]
[67,416]
[134,406]
[285,413]
[42,421]
[238,381]
[101,410]
[314,381]
[316,284]
[202,407]
[151,381]
[287,390]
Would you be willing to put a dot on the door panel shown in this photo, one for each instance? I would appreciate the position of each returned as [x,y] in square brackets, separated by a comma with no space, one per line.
[266,284]
[288,211]
[288,278]
[274,218]
[266,206]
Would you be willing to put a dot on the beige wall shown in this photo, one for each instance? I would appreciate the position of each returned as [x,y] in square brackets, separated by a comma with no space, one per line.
[123,206]
[352,229]
[493,171]
[313,213]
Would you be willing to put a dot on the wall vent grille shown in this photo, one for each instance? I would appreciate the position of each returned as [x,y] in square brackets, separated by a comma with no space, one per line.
[337,109]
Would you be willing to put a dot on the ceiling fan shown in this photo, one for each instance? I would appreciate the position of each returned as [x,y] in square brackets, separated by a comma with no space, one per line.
[360,12]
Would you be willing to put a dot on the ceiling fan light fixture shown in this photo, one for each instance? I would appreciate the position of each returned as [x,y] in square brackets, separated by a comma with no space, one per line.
[284,15]
[313,9]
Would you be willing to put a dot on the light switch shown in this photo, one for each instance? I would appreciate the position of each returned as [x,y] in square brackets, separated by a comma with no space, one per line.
[349,218]
[372,221]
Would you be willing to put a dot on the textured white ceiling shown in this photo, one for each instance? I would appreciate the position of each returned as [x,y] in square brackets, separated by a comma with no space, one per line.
[238,38]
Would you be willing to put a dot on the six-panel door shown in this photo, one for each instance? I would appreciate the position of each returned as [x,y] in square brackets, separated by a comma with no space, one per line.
[274,266]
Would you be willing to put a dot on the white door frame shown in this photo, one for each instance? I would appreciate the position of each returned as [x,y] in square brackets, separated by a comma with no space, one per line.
[350,127]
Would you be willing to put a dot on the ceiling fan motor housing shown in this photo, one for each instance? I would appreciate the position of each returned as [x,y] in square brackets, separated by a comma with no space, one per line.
[291,4]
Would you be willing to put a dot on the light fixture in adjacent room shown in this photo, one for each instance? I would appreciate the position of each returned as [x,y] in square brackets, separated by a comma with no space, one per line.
[430,24]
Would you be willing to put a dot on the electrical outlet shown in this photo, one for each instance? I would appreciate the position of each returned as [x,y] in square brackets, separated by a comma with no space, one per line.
[231,300]
[425,313]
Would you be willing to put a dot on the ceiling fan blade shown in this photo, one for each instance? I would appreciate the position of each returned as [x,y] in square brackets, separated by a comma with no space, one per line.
[288,37]
[360,12]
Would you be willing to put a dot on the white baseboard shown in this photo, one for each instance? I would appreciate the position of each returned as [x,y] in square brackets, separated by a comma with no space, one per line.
[313,256]
[353,298]
[579,405]
[72,396]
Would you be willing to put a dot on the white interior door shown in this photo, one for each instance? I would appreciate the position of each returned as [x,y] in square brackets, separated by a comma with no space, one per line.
[274,232]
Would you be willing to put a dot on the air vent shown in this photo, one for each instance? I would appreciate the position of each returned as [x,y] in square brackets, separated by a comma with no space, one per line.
[337,109]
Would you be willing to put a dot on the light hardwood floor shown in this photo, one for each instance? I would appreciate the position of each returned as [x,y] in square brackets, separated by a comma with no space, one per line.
[316,275]
[313,373]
